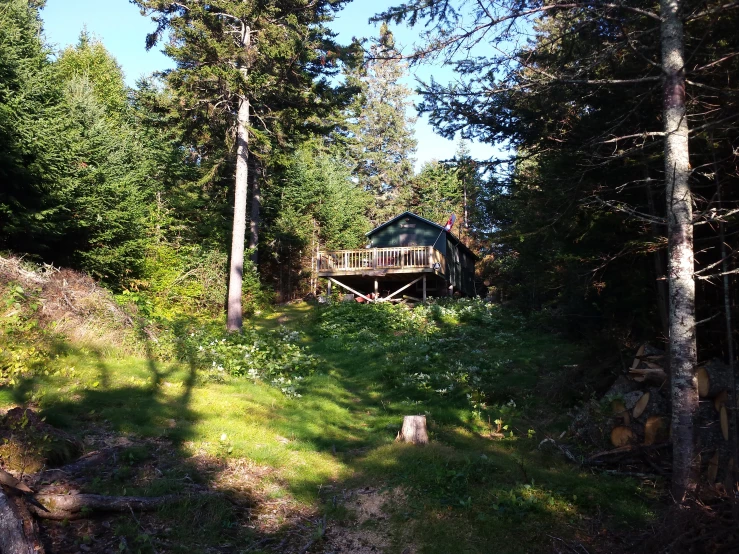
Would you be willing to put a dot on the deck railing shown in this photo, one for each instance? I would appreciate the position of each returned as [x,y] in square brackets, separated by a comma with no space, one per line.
[409,257]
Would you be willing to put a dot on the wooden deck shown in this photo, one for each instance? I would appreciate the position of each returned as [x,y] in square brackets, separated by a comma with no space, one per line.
[378,262]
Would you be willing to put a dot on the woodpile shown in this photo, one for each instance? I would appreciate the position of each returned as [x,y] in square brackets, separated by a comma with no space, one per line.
[634,414]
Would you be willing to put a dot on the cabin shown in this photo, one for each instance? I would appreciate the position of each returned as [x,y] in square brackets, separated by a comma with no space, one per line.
[408,257]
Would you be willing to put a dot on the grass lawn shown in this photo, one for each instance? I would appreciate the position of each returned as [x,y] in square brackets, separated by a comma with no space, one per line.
[285,464]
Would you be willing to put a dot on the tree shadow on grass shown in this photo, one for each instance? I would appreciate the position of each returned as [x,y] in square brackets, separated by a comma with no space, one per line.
[141,412]
[462,492]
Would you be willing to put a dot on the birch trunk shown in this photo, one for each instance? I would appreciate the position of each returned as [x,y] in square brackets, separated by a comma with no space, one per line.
[680,248]
[234,318]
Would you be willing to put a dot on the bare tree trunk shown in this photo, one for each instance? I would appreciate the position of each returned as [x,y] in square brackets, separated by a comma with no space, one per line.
[256,204]
[680,251]
[729,327]
[239,225]
[234,318]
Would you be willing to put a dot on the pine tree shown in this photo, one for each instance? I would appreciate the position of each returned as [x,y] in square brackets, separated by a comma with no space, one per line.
[382,145]
[436,192]
[34,132]
[236,58]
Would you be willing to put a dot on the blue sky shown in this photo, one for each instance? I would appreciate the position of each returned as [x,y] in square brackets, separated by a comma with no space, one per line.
[123,31]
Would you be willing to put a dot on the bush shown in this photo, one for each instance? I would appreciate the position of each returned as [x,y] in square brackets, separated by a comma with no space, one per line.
[273,357]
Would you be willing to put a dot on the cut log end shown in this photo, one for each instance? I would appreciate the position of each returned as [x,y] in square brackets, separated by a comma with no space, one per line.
[724,417]
[414,430]
[704,382]
[622,436]
[641,405]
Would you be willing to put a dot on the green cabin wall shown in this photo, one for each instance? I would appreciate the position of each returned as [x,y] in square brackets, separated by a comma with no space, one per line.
[409,231]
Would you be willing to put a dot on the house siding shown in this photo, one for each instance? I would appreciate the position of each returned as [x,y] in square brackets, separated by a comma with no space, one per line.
[410,230]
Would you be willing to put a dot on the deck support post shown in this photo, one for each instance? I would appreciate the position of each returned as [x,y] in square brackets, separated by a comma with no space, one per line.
[424,288]
[328,290]
[377,289]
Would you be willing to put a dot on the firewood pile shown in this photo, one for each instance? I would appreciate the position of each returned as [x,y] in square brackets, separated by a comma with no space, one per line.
[630,425]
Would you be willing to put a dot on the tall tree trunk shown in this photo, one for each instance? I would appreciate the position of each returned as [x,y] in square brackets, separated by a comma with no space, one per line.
[727,321]
[466,221]
[234,318]
[680,249]
[256,204]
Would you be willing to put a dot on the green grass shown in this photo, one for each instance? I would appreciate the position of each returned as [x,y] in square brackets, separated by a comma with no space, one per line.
[465,491]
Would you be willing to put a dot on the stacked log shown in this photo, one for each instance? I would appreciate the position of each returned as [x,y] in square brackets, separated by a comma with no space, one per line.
[640,410]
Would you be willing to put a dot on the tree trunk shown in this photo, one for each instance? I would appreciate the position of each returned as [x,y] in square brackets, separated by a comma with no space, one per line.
[680,248]
[256,204]
[239,223]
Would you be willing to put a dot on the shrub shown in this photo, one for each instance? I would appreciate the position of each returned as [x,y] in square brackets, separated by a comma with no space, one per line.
[274,357]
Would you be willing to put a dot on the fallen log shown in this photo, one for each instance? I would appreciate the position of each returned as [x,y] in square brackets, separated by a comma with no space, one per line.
[656,375]
[79,506]
[17,533]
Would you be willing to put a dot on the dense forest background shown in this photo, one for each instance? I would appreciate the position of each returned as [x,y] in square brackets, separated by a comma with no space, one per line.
[135,185]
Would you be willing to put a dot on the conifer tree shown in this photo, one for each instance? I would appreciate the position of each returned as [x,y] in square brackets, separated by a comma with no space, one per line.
[237,62]
[33,133]
[382,144]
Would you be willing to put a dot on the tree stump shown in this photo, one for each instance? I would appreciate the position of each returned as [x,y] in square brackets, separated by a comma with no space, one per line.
[17,535]
[414,430]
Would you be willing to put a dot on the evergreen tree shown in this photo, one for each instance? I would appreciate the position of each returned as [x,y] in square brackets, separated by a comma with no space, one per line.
[34,134]
[236,58]
[89,60]
[313,204]
[436,192]
[381,145]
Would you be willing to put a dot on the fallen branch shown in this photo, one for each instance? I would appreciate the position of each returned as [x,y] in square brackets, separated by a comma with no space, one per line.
[79,506]
[73,470]
[631,448]
[567,454]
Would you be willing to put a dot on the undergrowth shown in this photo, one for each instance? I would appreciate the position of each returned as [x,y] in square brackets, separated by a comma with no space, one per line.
[307,402]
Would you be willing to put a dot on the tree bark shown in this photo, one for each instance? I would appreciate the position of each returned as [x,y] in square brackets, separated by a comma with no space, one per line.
[239,224]
[14,538]
[414,430]
[680,251]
